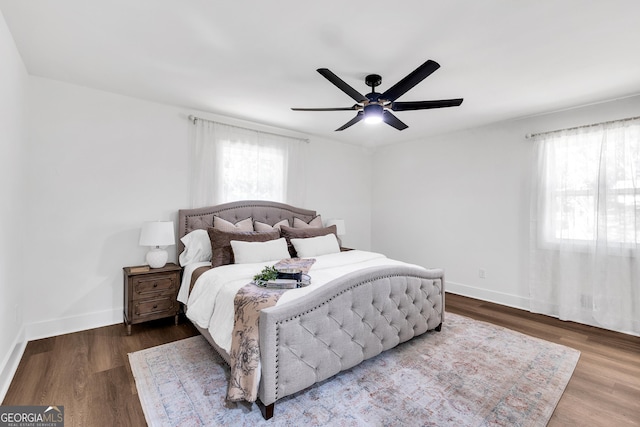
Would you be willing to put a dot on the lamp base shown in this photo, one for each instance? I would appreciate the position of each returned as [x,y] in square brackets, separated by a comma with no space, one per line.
[157,257]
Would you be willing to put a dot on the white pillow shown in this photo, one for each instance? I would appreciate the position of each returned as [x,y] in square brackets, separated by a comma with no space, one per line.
[314,223]
[261,226]
[251,252]
[197,248]
[224,225]
[316,246]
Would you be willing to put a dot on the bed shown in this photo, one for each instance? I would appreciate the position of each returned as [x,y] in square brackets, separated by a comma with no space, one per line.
[330,327]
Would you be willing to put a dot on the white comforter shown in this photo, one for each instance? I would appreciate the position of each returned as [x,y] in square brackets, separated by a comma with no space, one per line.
[210,304]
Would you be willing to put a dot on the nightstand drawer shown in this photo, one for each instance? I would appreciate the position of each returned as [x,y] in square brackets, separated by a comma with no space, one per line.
[163,306]
[146,286]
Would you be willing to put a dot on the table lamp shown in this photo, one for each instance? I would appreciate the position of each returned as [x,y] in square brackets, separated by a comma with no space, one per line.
[157,235]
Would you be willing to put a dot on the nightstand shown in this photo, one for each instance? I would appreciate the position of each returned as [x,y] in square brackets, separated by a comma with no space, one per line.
[150,293]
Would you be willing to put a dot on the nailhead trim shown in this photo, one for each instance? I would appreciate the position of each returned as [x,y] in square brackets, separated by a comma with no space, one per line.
[424,283]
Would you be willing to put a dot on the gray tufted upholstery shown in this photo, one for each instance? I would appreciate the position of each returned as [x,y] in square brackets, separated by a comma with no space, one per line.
[345,322]
[337,326]
[260,210]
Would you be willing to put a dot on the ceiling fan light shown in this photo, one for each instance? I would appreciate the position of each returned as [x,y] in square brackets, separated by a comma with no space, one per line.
[373,113]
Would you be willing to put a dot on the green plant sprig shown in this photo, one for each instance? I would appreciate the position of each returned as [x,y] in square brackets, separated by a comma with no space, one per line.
[267,273]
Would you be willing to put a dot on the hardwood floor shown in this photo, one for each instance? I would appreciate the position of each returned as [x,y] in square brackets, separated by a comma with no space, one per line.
[88,372]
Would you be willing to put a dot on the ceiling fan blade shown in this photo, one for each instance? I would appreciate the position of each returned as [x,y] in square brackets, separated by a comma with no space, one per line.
[392,120]
[425,105]
[342,85]
[355,107]
[415,77]
[352,122]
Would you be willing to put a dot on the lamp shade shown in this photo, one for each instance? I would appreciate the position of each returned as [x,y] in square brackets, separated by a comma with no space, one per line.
[341,228]
[157,233]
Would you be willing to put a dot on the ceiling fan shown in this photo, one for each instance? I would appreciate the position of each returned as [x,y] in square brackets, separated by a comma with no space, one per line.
[377,107]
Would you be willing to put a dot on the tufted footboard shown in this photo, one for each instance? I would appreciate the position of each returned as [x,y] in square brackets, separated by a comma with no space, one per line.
[343,323]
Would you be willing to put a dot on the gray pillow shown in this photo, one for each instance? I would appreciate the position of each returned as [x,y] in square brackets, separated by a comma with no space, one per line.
[261,226]
[224,225]
[314,223]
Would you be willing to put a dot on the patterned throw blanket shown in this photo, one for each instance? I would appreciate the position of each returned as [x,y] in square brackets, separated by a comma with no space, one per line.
[245,341]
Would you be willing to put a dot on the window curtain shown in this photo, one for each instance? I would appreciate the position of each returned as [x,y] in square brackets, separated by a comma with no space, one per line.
[232,163]
[585,225]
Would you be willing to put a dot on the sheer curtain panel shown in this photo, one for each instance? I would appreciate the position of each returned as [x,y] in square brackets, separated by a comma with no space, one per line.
[233,163]
[585,225]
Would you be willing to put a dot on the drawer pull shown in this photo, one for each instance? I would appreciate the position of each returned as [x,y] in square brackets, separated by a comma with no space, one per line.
[155,306]
[155,284]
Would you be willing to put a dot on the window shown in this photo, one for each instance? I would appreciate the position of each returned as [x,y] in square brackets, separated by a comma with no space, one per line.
[590,184]
[233,163]
[252,172]
[584,260]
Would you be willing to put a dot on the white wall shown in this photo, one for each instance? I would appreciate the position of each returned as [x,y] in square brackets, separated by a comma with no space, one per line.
[13,136]
[100,164]
[461,201]
[339,186]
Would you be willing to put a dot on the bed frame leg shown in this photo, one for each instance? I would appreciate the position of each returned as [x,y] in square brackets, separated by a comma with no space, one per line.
[439,327]
[267,411]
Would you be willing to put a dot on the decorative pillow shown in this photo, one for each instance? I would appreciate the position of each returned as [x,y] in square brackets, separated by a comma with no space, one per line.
[303,233]
[261,226]
[316,246]
[251,252]
[314,223]
[197,248]
[221,251]
[224,225]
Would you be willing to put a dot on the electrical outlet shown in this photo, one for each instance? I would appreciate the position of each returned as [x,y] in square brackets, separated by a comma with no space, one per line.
[482,273]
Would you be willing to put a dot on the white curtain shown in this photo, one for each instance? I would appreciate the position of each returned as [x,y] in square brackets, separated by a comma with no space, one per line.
[232,163]
[585,228]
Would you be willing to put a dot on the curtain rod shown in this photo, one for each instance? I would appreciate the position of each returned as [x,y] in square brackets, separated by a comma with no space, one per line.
[533,135]
[193,119]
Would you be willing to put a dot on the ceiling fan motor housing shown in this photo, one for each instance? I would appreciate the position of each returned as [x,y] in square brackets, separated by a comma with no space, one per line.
[373,80]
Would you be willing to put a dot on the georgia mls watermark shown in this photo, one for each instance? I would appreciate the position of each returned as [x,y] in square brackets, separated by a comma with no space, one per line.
[31,416]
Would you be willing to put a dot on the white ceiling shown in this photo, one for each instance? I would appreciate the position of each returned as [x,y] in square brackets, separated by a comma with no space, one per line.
[254,60]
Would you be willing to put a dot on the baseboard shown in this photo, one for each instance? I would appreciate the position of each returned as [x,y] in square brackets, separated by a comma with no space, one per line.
[501,298]
[46,329]
[67,325]
[10,364]
[509,300]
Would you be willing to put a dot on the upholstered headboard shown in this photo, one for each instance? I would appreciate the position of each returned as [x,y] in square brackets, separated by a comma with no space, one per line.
[260,210]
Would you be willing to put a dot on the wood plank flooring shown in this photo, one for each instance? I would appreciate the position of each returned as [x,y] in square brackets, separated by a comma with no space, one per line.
[88,372]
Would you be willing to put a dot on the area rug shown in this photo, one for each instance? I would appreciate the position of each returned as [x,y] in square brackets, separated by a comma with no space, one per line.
[471,373]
